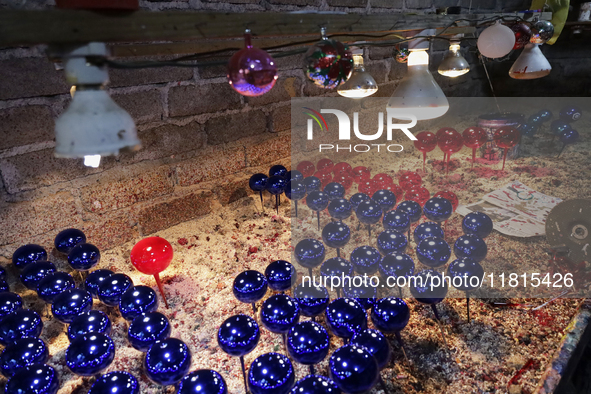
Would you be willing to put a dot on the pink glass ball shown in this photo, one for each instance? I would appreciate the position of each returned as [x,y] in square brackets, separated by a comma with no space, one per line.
[506,137]
[251,71]
[474,137]
[409,180]
[449,140]
[426,141]
[449,196]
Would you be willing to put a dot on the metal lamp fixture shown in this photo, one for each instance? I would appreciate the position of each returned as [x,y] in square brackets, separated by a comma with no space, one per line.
[418,94]
[93,125]
[453,64]
[530,64]
[360,84]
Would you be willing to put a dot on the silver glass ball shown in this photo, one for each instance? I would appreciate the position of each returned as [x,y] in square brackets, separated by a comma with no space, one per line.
[541,31]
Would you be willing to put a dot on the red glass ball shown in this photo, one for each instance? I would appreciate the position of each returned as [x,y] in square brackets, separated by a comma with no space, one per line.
[325,177]
[397,190]
[449,196]
[418,194]
[409,180]
[474,137]
[344,179]
[307,168]
[384,179]
[151,255]
[342,167]
[426,141]
[506,137]
[522,34]
[369,187]
[449,140]
[361,173]
[324,165]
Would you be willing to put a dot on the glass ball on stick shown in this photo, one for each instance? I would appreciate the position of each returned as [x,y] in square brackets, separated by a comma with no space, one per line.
[309,253]
[312,299]
[271,373]
[470,274]
[202,381]
[258,183]
[506,138]
[353,369]
[425,143]
[250,286]
[345,317]
[336,235]
[474,138]
[167,361]
[308,343]
[151,256]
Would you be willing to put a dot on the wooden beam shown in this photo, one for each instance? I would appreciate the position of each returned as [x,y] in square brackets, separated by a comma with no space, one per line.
[29,27]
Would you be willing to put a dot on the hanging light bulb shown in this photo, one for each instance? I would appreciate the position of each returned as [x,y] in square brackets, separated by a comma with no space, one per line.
[453,64]
[418,94]
[93,124]
[360,84]
[531,64]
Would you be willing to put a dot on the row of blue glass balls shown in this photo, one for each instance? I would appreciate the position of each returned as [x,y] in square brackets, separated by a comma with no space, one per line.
[88,330]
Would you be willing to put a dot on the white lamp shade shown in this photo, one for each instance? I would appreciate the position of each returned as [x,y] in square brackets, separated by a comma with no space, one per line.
[496,41]
[531,64]
[93,124]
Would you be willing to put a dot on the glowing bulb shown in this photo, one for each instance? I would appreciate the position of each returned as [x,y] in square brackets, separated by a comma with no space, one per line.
[360,84]
[453,64]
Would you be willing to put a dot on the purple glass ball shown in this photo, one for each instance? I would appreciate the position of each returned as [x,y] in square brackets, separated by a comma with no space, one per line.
[251,71]
[68,238]
[433,252]
[469,271]
[28,254]
[470,246]
[477,223]
[390,314]
[345,316]
[70,304]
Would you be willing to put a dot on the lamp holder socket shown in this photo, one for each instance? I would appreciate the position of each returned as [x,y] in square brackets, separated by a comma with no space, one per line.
[421,43]
[78,70]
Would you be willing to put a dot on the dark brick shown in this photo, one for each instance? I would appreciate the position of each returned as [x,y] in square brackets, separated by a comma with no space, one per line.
[514,5]
[210,165]
[379,53]
[167,140]
[347,3]
[232,189]
[269,151]
[290,62]
[377,70]
[142,106]
[234,1]
[281,118]
[200,99]
[214,71]
[109,231]
[397,70]
[398,4]
[25,125]
[296,2]
[169,213]
[227,128]
[386,89]
[418,4]
[446,3]
[30,77]
[480,5]
[284,89]
[146,76]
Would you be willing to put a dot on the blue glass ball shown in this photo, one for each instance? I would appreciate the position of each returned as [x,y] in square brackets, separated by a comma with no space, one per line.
[66,240]
[84,256]
[71,303]
[308,342]
[295,190]
[136,301]
[28,254]
[53,285]
[311,298]
[528,129]
[116,382]
[466,269]
[570,113]
[429,287]
[94,279]
[345,316]
[147,329]
[281,275]
[258,182]
[337,267]
[271,373]
[336,234]
[376,343]
[278,170]
[334,191]
[9,303]
[386,199]
[365,259]
[438,209]
[395,265]
[238,335]
[396,220]
[113,287]
[312,184]
[279,313]
[368,212]
[89,322]
[294,175]
[558,126]
[545,115]
[90,354]
[22,352]
[340,208]
[202,381]
[315,384]
[569,136]
[33,379]
[309,253]
[167,361]
[535,119]
[32,274]
[433,252]
[276,185]
[357,199]
[360,289]
[353,369]
[249,286]
[470,246]
[427,230]
[477,223]
[412,208]
[317,200]
[2,273]
[4,286]
[391,241]
[390,314]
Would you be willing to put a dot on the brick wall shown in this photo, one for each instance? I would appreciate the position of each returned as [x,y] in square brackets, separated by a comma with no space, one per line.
[201,141]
